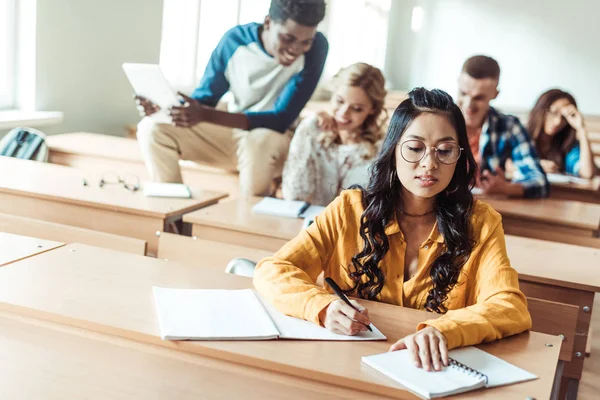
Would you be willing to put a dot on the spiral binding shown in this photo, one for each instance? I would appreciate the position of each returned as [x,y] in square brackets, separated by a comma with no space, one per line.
[470,371]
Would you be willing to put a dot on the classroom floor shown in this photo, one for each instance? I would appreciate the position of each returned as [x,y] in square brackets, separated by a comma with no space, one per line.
[589,387]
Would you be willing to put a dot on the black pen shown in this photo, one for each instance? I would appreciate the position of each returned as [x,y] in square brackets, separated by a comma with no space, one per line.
[342,296]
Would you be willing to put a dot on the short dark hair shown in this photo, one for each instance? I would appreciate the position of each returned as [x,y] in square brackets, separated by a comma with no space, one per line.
[481,67]
[303,12]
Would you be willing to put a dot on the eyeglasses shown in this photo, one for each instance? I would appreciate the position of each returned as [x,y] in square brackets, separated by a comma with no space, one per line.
[129,182]
[414,151]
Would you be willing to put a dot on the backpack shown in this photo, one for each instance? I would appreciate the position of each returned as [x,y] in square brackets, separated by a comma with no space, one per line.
[25,143]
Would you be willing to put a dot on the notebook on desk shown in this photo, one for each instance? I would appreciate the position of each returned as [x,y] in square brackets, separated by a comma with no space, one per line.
[469,369]
[562,178]
[287,208]
[159,189]
[209,314]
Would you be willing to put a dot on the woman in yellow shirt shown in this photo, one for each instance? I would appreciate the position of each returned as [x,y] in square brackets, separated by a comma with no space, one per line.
[415,237]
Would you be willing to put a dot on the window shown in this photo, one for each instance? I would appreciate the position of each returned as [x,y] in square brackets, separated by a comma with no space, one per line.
[7,53]
[192,29]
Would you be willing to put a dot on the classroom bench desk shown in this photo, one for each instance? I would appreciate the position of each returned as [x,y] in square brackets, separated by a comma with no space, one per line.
[45,360]
[16,247]
[587,192]
[110,293]
[95,151]
[563,221]
[232,221]
[57,194]
[566,275]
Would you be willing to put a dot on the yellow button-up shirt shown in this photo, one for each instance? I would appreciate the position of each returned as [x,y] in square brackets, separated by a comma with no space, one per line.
[486,303]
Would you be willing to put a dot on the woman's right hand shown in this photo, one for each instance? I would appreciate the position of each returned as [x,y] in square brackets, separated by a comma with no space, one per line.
[145,106]
[549,166]
[326,122]
[342,319]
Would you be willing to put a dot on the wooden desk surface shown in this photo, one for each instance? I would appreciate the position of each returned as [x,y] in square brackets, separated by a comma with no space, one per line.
[16,247]
[110,147]
[550,211]
[237,215]
[64,184]
[557,264]
[111,293]
[43,360]
[592,185]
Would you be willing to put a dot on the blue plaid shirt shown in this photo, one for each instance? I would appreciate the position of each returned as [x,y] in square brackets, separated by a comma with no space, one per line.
[504,137]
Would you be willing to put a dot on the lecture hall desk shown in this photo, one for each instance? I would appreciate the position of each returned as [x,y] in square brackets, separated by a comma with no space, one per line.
[95,151]
[17,247]
[57,194]
[588,192]
[110,293]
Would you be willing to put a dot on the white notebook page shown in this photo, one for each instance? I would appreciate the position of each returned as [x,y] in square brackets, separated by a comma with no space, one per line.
[207,314]
[398,365]
[278,207]
[295,328]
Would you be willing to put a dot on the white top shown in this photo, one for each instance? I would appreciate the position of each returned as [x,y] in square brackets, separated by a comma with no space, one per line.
[316,174]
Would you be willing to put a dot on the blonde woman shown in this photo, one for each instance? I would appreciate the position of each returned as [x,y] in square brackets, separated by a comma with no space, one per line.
[333,150]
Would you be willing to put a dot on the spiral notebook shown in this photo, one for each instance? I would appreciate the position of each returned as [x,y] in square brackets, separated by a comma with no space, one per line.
[469,369]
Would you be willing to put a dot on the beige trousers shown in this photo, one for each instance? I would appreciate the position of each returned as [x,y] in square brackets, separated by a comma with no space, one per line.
[258,155]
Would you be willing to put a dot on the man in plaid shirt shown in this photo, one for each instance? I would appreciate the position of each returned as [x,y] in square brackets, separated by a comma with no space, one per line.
[494,137]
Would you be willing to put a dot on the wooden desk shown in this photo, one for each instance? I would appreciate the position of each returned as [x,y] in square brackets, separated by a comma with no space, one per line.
[16,247]
[111,293]
[550,219]
[55,193]
[565,274]
[586,192]
[233,221]
[98,152]
[43,360]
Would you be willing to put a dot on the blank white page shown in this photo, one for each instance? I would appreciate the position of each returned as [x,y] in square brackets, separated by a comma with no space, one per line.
[295,328]
[208,314]
[399,366]
[278,207]
[161,189]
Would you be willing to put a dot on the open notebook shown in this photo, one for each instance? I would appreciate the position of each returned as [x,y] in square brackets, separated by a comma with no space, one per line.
[209,314]
[287,208]
[469,369]
[562,178]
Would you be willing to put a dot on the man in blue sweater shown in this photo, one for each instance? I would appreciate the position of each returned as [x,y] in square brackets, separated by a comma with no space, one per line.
[271,70]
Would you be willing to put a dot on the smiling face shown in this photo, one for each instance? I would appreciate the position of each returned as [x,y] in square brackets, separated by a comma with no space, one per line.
[428,177]
[288,40]
[474,96]
[351,107]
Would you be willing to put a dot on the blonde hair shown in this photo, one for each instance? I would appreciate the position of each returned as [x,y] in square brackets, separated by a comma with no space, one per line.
[371,80]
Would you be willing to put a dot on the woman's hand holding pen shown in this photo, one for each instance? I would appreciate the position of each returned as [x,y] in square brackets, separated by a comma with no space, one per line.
[428,348]
[342,319]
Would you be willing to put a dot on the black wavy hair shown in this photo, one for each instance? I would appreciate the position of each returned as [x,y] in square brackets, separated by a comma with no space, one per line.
[384,195]
[304,12]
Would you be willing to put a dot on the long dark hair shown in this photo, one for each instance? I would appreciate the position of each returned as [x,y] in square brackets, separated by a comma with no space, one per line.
[554,147]
[383,195]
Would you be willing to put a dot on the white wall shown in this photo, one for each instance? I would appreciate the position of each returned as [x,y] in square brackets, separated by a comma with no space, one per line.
[81,45]
[539,44]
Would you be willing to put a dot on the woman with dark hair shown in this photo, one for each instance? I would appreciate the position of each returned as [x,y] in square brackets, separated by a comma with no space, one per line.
[415,237]
[561,139]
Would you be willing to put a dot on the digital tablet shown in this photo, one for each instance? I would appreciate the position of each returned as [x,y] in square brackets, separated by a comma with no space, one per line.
[148,81]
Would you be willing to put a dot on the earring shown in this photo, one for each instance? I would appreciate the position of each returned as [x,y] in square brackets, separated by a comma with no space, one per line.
[392,179]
